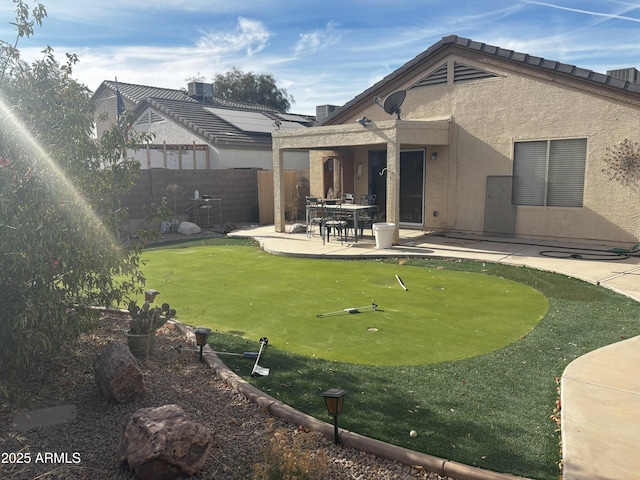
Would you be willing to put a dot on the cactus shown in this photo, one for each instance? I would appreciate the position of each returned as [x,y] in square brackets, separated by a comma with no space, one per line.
[146,319]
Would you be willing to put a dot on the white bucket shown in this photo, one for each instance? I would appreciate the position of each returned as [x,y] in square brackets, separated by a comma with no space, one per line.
[383,233]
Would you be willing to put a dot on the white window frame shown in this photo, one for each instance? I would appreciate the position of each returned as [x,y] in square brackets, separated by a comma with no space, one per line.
[549,173]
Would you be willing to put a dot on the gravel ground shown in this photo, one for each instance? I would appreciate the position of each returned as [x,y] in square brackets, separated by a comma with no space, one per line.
[245,439]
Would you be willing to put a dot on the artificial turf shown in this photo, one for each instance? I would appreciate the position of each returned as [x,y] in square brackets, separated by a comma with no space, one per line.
[491,410]
[345,311]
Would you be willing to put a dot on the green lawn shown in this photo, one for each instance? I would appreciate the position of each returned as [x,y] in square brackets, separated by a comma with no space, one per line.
[443,315]
[480,399]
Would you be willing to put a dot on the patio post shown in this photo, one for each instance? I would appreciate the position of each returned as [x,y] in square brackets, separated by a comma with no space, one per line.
[278,189]
[393,185]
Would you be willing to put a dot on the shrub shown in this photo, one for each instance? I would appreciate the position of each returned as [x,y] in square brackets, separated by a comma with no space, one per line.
[60,213]
[286,457]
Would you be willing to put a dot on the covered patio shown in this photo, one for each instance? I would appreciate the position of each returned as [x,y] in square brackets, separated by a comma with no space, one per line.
[348,147]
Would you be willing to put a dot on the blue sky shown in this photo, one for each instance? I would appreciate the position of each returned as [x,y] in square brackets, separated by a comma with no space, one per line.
[322,52]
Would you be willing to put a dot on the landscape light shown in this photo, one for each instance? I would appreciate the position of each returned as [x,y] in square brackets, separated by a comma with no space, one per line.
[201,338]
[334,398]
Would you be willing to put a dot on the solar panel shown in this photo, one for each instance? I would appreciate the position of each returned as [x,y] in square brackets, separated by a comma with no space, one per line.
[245,121]
[256,122]
[290,125]
[292,118]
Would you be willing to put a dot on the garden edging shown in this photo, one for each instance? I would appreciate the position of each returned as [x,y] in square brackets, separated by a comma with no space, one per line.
[267,403]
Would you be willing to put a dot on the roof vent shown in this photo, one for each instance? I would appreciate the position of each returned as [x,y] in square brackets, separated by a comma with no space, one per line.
[628,74]
[200,91]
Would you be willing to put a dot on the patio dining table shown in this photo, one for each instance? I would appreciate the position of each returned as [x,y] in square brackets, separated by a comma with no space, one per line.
[354,209]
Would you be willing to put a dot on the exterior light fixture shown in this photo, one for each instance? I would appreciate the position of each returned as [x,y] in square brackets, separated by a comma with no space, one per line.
[334,398]
[201,338]
[363,121]
[434,155]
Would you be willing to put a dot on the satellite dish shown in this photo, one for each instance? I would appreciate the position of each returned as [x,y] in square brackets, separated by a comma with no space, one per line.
[394,101]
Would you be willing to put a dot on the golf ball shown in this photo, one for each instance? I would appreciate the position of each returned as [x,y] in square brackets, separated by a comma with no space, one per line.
[413,433]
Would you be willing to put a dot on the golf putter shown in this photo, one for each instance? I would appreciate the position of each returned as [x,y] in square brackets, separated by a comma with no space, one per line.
[351,310]
[257,369]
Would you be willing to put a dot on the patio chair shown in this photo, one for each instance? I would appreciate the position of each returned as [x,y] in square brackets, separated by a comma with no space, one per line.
[368,199]
[333,219]
[369,217]
[348,198]
[312,217]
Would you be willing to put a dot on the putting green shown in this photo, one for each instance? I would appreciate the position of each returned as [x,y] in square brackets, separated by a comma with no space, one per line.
[443,315]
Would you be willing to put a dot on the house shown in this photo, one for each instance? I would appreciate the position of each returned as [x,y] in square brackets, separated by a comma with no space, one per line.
[217,147]
[468,137]
[219,133]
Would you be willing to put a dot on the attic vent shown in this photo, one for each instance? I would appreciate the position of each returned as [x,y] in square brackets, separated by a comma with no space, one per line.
[437,77]
[461,73]
[149,117]
[628,74]
[464,73]
[155,118]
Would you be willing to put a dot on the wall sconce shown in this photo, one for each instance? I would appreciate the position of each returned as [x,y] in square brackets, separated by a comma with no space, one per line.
[359,171]
[363,121]
[434,156]
[201,338]
[334,398]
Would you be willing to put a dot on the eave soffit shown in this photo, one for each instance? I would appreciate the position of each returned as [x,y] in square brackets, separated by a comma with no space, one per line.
[426,132]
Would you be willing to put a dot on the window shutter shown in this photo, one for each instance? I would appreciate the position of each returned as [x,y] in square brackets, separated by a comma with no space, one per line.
[529,173]
[566,173]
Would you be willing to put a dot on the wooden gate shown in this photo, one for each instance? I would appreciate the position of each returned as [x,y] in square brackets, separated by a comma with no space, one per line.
[296,188]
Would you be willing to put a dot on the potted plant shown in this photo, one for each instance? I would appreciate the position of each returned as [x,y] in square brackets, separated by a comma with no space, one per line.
[145,321]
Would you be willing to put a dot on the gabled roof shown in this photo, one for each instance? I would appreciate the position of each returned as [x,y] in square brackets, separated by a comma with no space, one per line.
[193,116]
[209,119]
[214,126]
[135,93]
[453,41]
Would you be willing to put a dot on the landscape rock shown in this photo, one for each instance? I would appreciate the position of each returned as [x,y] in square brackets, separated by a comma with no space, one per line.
[189,228]
[162,443]
[117,374]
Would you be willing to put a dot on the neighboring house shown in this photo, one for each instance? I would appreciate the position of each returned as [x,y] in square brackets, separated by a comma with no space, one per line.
[219,133]
[202,143]
[486,141]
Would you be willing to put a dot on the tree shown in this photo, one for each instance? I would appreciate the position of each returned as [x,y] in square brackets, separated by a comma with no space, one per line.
[60,214]
[252,88]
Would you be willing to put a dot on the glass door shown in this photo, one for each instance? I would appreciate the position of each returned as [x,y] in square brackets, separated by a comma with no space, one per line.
[412,186]
[378,180]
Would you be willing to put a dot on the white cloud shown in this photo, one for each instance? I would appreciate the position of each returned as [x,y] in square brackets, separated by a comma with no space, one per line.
[590,12]
[316,40]
[249,36]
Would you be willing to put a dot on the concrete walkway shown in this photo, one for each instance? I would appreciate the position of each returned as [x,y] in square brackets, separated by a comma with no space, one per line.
[600,391]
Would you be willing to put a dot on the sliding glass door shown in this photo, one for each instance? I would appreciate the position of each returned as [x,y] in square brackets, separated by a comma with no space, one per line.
[412,183]
[412,186]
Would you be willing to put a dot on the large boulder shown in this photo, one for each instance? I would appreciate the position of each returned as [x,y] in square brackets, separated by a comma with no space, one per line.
[118,376]
[162,443]
[188,228]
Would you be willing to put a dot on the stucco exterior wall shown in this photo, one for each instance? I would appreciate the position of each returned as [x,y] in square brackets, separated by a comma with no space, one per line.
[489,115]
[493,114]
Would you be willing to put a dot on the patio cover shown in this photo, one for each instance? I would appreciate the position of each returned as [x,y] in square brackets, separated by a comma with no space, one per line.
[394,134]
